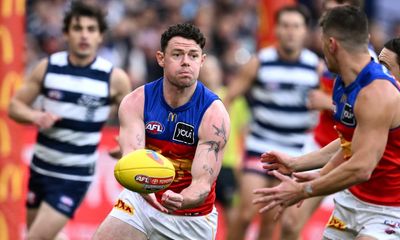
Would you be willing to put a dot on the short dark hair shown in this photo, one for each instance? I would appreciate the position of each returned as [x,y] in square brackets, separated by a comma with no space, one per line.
[302,10]
[348,24]
[79,9]
[355,3]
[185,30]
[394,46]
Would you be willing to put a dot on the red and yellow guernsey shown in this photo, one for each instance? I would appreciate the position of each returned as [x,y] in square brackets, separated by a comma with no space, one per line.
[383,188]
[324,132]
[173,132]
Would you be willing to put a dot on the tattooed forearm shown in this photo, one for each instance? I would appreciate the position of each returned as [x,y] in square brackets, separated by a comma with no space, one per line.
[214,147]
[202,196]
[208,169]
[194,197]
[221,132]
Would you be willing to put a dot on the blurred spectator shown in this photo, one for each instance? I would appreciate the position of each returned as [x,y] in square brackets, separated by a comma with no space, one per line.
[135,25]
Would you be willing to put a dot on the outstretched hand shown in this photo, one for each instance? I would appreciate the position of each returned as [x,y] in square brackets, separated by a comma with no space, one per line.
[287,193]
[305,176]
[116,152]
[278,161]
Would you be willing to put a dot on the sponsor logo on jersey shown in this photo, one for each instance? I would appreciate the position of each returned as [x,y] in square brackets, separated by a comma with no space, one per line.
[335,222]
[348,116]
[184,133]
[154,127]
[123,206]
[172,117]
[90,101]
[55,94]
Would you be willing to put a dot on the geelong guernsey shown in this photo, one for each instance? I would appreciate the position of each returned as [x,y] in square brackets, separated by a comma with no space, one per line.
[280,118]
[81,97]
[174,133]
[383,188]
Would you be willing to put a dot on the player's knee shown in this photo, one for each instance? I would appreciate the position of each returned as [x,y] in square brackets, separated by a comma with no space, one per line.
[290,227]
[245,215]
[37,236]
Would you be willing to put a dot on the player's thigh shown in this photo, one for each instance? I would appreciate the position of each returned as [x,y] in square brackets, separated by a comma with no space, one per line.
[248,182]
[113,228]
[31,214]
[297,217]
[47,223]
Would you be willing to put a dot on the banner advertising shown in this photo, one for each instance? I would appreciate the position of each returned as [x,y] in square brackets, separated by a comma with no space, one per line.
[11,69]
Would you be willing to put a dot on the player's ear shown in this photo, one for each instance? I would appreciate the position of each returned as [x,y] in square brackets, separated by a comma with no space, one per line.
[203,58]
[160,58]
[332,45]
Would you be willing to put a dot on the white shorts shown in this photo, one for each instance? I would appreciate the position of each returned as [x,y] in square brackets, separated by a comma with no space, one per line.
[353,218]
[134,210]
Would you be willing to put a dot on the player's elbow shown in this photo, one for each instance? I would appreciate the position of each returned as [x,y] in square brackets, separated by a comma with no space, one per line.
[363,173]
[363,169]
[363,176]
[12,110]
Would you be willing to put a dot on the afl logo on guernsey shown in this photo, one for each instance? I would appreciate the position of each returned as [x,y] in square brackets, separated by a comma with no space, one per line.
[154,127]
[184,133]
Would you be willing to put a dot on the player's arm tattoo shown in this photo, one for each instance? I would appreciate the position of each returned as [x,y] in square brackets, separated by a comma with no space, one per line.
[208,169]
[221,132]
[216,146]
[201,196]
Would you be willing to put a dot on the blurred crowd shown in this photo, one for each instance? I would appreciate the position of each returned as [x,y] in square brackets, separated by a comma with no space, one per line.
[136,26]
[231,28]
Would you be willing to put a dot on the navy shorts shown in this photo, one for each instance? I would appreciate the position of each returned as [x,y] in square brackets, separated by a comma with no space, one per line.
[63,195]
[226,186]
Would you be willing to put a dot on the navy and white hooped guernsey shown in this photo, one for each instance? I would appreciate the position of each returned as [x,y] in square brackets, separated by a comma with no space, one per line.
[81,97]
[280,118]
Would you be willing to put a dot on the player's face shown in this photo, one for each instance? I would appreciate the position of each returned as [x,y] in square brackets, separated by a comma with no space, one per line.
[83,37]
[181,61]
[390,60]
[291,31]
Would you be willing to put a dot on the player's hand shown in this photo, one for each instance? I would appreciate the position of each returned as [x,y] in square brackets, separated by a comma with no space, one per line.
[172,200]
[287,193]
[305,176]
[319,100]
[151,198]
[45,120]
[278,161]
[115,152]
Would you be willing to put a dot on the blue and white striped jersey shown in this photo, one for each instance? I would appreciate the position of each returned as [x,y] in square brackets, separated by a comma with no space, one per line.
[280,118]
[81,97]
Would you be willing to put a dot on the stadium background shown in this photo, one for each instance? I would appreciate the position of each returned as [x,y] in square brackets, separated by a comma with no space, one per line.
[30,30]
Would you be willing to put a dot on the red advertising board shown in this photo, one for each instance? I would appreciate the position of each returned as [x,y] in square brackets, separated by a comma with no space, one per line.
[11,68]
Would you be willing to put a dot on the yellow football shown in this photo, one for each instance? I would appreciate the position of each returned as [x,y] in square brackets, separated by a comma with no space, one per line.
[144,171]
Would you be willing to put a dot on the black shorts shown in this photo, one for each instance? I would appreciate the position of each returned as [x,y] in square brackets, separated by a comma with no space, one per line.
[63,195]
[226,186]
